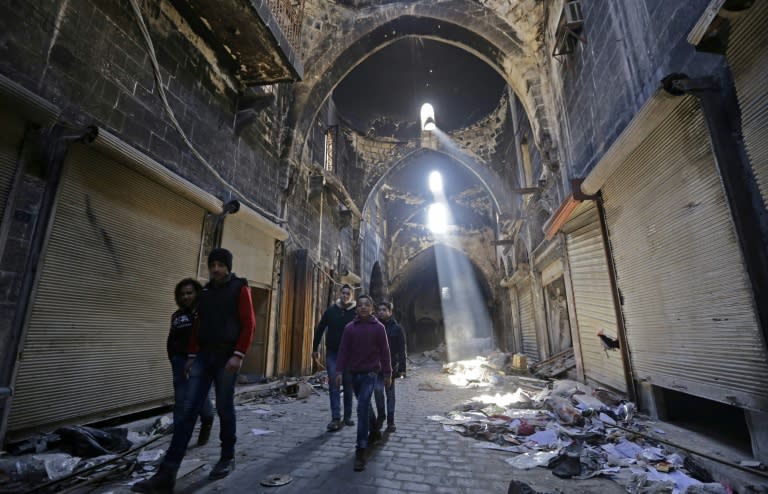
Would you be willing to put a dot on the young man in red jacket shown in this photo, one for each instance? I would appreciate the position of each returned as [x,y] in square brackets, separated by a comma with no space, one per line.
[221,336]
[364,352]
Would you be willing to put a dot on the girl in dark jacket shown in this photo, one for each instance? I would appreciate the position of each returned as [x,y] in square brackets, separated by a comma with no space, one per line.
[187,292]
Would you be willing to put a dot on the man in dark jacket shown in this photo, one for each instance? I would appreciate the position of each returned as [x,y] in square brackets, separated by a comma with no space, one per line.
[221,336]
[396,339]
[335,318]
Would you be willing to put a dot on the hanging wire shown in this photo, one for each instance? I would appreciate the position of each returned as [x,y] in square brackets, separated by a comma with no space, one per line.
[177,126]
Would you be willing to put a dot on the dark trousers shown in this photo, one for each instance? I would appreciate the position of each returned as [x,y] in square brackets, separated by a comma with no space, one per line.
[207,369]
[379,393]
[180,385]
[363,384]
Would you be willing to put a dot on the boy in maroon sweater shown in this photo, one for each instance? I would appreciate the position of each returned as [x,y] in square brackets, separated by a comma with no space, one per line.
[364,351]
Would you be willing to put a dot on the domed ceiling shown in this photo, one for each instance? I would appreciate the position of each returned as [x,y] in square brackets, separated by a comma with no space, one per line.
[383,95]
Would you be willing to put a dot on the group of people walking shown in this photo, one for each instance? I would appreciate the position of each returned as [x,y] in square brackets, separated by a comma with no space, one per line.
[363,353]
[210,334]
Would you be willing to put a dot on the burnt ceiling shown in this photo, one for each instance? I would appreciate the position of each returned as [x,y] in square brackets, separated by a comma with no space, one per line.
[407,193]
[382,96]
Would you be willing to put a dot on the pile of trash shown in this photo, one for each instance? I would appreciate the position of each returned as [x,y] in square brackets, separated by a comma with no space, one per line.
[439,354]
[578,432]
[495,369]
[74,453]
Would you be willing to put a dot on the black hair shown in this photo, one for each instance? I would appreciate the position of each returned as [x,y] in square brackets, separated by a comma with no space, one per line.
[347,285]
[386,304]
[186,281]
[363,295]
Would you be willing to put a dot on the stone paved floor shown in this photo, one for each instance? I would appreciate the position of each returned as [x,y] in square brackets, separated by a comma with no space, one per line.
[419,457]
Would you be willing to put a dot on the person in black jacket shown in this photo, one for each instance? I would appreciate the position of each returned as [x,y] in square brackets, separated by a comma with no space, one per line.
[396,338]
[335,318]
[221,336]
[186,294]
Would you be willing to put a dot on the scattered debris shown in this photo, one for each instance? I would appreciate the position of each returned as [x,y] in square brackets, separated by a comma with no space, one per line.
[88,441]
[568,427]
[276,480]
[260,432]
[425,386]
[555,366]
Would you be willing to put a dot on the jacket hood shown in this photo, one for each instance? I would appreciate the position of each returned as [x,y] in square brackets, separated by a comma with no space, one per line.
[349,307]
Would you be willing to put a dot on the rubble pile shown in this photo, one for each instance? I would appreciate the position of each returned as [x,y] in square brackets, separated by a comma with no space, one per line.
[495,369]
[80,454]
[573,429]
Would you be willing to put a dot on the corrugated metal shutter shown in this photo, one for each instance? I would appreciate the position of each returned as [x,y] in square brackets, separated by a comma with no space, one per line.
[688,307]
[748,58]
[11,135]
[95,345]
[592,297]
[528,321]
[252,249]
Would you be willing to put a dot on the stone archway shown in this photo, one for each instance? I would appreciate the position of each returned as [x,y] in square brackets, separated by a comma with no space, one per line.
[376,285]
[512,50]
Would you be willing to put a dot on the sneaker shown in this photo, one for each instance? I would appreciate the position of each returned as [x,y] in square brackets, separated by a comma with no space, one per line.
[160,483]
[359,459]
[349,422]
[374,436]
[205,432]
[334,425]
[223,468]
[391,428]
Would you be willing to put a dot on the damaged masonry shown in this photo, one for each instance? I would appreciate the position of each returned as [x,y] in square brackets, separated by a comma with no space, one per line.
[562,205]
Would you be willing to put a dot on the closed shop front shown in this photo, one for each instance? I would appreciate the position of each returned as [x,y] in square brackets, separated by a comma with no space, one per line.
[528,320]
[95,342]
[687,302]
[11,137]
[748,57]
[252,244]
[592,297]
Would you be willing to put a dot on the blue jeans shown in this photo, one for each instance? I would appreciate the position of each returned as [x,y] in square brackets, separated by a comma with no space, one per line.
[334,392]
[207,369]
[378,393]
[180,392]
[366,420]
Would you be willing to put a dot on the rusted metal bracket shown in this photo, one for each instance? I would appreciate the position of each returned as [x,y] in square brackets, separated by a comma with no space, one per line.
[578,194]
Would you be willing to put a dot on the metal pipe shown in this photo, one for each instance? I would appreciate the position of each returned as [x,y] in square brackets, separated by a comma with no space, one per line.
[617,304]
[6,391]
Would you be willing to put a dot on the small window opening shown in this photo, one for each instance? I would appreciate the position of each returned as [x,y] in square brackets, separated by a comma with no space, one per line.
[330,148]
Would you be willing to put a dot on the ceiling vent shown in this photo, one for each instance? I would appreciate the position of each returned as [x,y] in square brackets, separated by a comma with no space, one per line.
[569,29]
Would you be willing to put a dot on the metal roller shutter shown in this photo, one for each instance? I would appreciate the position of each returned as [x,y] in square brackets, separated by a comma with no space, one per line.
[528,321]
[11,135]
[748,58]
[688,307]
[95,344]
[252,249]
[592,297]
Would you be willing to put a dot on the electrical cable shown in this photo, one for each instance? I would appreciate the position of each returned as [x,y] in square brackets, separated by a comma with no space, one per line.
[177,126]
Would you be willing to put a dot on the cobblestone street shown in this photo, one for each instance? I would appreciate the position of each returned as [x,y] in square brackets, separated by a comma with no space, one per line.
[419,457]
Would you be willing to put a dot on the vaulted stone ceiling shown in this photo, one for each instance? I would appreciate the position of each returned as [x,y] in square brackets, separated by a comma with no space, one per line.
[382,96]
[340,35]
[378,61]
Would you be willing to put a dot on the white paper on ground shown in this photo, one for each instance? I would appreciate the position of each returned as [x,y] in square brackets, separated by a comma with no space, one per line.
[527,461]
[544,438]
[260,432]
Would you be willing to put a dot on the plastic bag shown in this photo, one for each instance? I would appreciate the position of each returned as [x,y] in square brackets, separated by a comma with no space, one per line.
[58,465]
